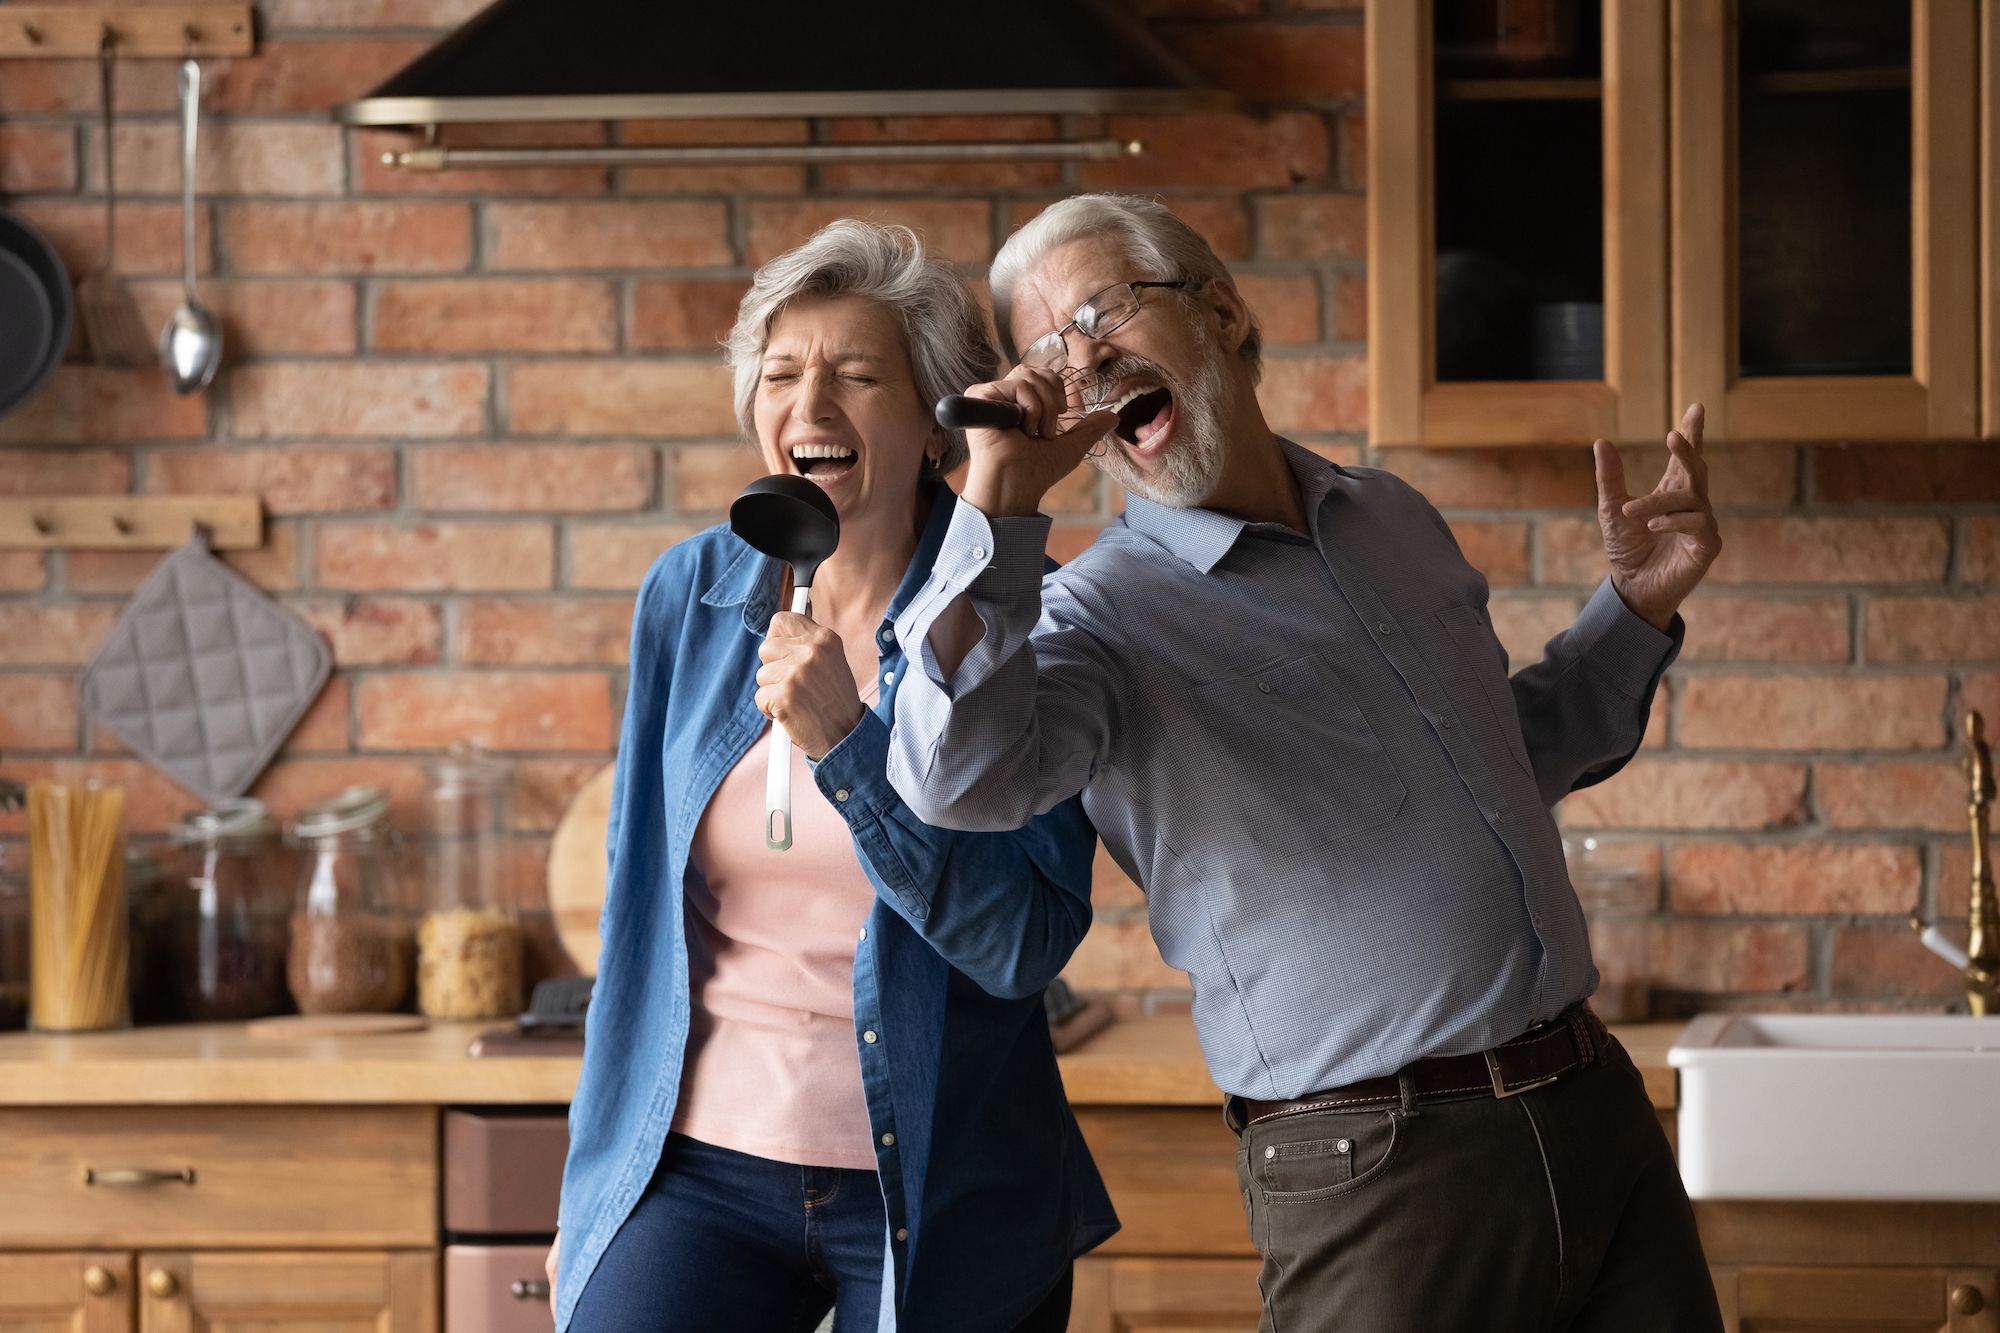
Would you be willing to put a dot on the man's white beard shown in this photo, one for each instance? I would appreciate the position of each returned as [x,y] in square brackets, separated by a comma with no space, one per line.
[1188,472]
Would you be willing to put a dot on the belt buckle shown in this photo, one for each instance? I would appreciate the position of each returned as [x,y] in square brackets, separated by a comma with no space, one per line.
[1500,1088]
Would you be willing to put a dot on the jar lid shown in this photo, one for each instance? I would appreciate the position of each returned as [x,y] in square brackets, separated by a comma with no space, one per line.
[467,767]
[241,820]
[351,811]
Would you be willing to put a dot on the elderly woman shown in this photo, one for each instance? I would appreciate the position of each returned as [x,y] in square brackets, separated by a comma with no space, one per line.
[821,1078]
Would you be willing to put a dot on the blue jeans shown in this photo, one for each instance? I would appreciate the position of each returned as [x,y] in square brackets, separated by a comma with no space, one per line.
[724,1242]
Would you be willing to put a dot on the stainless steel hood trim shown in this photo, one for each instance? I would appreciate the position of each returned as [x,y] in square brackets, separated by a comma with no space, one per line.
[427,111]
[434,158]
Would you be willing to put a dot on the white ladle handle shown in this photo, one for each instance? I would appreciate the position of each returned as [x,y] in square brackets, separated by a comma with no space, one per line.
[778,781]
[190,118]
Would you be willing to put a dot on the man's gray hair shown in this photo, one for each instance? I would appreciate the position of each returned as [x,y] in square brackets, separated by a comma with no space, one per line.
[944,330]
[1159,245]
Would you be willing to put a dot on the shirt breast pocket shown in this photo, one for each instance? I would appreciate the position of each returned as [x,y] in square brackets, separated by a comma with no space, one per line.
[1288,747]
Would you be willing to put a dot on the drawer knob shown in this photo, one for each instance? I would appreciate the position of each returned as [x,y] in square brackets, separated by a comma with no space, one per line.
[529,1289]
[99,1280]
[131,1177]
[162,1283]
[1968,1299]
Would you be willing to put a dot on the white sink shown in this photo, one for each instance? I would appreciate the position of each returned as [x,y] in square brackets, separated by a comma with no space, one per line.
[1840,1106]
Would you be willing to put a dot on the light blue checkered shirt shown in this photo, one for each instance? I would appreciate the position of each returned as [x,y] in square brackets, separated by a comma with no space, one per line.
[1305,749]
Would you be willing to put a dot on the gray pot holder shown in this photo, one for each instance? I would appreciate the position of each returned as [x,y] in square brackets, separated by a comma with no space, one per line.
[204,675]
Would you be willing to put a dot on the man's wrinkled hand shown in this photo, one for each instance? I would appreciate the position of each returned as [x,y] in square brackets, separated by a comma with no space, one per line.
[1011,470]
[1660,544]
[804,684]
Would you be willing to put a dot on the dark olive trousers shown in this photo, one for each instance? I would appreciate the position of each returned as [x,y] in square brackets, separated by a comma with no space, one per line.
[1557,1209]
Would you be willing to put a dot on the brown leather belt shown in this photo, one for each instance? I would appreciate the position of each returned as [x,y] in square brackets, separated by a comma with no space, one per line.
[1575,1040]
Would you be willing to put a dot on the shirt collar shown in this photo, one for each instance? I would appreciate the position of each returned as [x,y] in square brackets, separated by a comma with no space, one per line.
[1201,537]
[752,579]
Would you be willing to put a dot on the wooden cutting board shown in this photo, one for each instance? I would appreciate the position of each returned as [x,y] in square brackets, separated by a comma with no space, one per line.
[577,867]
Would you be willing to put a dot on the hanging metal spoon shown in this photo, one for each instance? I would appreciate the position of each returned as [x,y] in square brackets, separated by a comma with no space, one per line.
[790,519]
[191,344]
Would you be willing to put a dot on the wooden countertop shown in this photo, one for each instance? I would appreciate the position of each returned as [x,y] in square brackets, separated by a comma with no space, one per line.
[1138,1062]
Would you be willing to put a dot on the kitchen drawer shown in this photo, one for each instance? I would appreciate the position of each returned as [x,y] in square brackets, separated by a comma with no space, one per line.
[496,1289]
[255,1176]
[503,1171]
[1172,1176]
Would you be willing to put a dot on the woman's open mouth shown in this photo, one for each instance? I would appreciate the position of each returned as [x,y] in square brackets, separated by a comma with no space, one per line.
[1144,414]
[823,463]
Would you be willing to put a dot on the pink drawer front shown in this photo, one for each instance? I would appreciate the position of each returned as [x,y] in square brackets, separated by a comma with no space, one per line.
[503,1172]
[496,1289]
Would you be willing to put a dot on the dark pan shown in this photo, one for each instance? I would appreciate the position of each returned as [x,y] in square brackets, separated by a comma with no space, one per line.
[35,311]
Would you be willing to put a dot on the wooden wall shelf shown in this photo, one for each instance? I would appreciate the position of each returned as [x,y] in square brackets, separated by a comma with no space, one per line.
[130,522]
[75,32]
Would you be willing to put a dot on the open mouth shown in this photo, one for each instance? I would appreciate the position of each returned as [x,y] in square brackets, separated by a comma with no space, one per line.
[823,462]
[1142,414]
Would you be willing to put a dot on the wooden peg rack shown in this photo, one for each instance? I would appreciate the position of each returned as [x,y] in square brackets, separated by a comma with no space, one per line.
[75,32]
[130,522]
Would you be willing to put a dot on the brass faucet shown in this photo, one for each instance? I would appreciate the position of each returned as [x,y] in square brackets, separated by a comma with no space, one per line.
[1980,963]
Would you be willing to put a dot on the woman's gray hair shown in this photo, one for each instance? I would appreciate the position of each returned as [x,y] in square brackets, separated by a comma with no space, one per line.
[1159,244]
[944,330]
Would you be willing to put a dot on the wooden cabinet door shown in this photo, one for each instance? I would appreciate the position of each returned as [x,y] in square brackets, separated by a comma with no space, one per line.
[1483,284]
[1825,222]
[1165,1296]
[1859,1300]
[378,1291]
[1989,214]
[75,1292]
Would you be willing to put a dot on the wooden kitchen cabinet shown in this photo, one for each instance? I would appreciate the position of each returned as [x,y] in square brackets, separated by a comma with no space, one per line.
[292,1292]
[80,1291]
[1864,1300]
[1155,1295]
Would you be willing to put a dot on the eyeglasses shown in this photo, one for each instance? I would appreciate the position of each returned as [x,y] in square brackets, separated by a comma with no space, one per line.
[1105,311]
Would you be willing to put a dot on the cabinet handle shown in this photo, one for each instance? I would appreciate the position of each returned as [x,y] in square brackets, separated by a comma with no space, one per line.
[162,1283]
[128,1177]
[1968,1299]
[99,1280]
[529,1289]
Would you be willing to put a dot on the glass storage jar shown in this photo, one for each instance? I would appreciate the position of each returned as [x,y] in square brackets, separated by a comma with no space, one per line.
[469,943]
[219,955]
[13,939]
[351,942]
[1619,895]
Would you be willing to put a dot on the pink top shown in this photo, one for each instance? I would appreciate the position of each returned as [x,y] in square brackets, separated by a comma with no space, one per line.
[771,1064]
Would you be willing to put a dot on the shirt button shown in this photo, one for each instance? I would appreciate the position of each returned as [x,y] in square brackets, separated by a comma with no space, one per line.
[888,1140]
[1499,816]
[1537,920]
[889,634]
[841,794]
[977,552]
[864,932]
[888,678]
[1384,627]
[1444,721]
[902,1233]
[1263,687]
[870,1037]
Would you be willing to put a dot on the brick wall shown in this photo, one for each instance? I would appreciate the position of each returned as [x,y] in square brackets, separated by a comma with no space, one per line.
[477,405]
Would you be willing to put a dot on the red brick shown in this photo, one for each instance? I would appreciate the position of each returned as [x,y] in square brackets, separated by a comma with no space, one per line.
[1898,794]
[595,631]
[149,234]
[733,178]
[1524,625]
[492,314]
[69,87]
[1693,794]
[602,234]
[1496,548]
[92,405]
[1832,550]
[1119,954]
[37,712]
[1286,306]
[543,789]
[1744,628]
[920,176]
[515,477]
[263,318]
[377,631]
[1194,9]
[1350,307]
[956,229]
[1312,226]
[1980,562]
[434,557]
[1354,149]
[1932,629]
[52,635]
[23,571]
[1923,474]
[274,566]
[708,477]
[1728,956]
[1739,476]
[236,157]
[648,399]
[1878,962]
[1067,541]
[1275,62]
[1214,151]
[616,556]
[1315,6]
[1315,393]
[1221,220]
[374,176]
[505,710]
[358,236]
[64,472]
[1798,879]
[296,77]
[290,479]
[1497,478]
[1111,887]
[1981,692]
[325,724]
[1954,881]
[344,14]
[291,783]
[1812,712]
[153,802]
[37,158]
[684,314]
[357,400]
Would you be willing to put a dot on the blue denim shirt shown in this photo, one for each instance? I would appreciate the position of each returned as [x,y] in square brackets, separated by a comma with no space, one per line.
[988,1187]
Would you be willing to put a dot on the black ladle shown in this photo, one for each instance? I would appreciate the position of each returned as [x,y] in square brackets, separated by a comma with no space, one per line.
[958,412]
[790,519]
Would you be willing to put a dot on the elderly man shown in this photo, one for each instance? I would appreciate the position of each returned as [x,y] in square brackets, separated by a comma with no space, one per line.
[1275,684]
